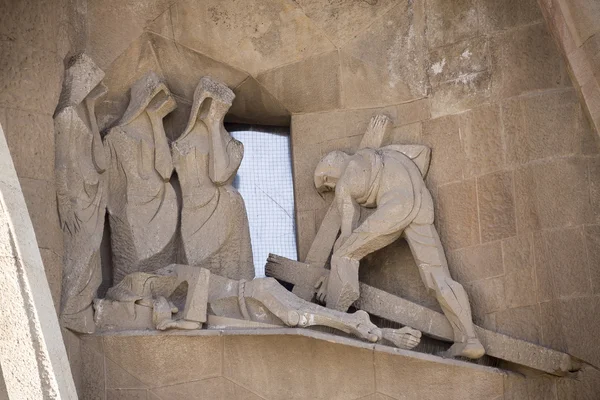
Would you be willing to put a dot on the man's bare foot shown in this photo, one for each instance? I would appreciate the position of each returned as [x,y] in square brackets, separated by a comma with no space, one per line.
[405,338]
[364,328]
[472,348]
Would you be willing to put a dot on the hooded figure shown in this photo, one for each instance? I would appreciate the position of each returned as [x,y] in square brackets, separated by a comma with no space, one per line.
[142,204]
[80,165]
[214,224]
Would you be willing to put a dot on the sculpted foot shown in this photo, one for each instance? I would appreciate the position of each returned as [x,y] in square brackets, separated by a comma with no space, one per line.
[472,348]
[405,338]
[364,328]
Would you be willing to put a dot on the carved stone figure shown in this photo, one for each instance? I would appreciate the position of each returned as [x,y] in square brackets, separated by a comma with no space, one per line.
[142,204]
[262,301]
[390,179]
[214,224]
[80,166]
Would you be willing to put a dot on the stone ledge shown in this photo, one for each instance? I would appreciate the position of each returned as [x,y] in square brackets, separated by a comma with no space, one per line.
[309,333]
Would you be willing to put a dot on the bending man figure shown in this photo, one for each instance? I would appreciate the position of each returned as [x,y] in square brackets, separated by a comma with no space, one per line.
[390,179]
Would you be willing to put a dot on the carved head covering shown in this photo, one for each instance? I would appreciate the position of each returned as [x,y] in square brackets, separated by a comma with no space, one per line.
[82,75]
[208,88]
[142,93]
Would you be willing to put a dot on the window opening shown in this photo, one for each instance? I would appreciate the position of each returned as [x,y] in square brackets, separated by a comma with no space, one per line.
[265,181]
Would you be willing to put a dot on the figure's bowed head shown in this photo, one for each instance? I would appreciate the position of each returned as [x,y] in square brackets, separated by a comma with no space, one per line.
[329,170]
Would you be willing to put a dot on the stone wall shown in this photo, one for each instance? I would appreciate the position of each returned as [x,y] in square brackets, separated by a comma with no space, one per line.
[575,25]
[514,161]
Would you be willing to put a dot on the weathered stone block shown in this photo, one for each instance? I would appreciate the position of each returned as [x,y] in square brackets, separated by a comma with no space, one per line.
[552,194]
[341,21]
[213,388]
[387,63]
[453,380]
[406,134]
[496,15]
[582,17]
[306,231]
[541,126]
[478,262]
[30,138]
[318,127]
[460,59]
[40,197]
[467,92]
[126,394]
[450,22]
[519,280]
[29,21]
[521,323]
[592,245]
[482,142]
[163,357]
[112,26]
[551,323]
[254,104]
[495,196]
[53,265]
[524,60]
[299,89]
[256,35]
[447,158]
[486,296]
[92,376]
[25,70]
[255,362]
[457,215]
[561,264]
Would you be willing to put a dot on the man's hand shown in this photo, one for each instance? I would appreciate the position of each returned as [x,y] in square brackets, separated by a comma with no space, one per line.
[321,287]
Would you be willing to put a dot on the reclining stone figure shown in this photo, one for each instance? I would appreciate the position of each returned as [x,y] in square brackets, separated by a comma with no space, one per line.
[391,180]
[143,300]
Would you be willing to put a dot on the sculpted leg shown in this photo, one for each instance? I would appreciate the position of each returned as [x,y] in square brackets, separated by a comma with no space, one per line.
[293,311]
[427,249]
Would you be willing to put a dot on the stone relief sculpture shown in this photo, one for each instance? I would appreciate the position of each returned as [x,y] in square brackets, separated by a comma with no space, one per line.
[129,175]
[143,205]
[214,225]
[80,166]
[145,301]
[391,180]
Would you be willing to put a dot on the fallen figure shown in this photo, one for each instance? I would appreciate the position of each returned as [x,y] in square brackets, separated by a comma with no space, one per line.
[150,300]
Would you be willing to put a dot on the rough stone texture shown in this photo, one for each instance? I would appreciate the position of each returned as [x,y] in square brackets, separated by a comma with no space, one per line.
[451,22]
[495,197]
[308,85]
[574,25]
[402,378]
[278,32]
[525,59]
[33,357]
[252,363]
[340,20]
[386,63]
[552,194]
[446,165]
[457,214]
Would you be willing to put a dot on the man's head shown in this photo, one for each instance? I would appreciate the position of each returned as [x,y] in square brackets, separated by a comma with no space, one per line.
[330,169]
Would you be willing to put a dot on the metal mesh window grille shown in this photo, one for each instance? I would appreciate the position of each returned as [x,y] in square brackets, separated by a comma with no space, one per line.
[264,180]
